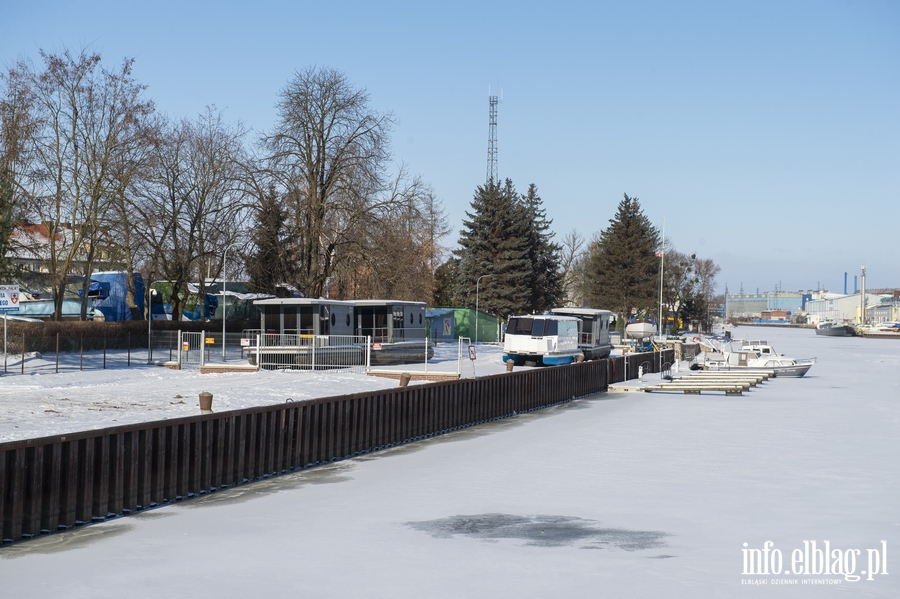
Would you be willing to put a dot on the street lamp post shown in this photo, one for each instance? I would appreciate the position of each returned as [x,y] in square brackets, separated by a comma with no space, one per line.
[477,282]
[224,258]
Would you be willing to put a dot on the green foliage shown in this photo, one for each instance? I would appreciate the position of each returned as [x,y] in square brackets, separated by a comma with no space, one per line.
[545,282]
[494,249]
[270,264]
[445,277]
[624,267]
[507,243]
[9,212]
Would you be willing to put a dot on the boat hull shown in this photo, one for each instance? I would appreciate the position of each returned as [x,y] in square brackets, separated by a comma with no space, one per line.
[836,331]
[401,352]
[596,352]
[520,359]
[793,370]
[640,329]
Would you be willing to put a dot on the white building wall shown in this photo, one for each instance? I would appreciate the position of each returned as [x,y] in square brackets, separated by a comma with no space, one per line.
[842,309]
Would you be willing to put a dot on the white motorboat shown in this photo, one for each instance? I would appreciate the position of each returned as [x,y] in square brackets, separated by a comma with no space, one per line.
[756,355]
[640,328]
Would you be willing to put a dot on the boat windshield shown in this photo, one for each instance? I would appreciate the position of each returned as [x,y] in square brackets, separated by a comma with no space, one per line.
[519,326]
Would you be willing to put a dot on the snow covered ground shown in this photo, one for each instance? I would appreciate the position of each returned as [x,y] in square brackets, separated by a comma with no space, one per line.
[42,402]
[620,495]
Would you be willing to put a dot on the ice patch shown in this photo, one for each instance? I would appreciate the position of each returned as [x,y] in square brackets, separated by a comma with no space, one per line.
[541,531]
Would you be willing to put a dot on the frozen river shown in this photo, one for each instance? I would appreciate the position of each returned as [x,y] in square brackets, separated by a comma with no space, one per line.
[620,495]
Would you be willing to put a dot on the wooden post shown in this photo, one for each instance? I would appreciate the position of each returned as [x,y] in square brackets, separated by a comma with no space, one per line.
[129,348]
[57,353]
[23,352]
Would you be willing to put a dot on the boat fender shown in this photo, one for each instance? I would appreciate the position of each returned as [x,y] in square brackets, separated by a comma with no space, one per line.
[695,339]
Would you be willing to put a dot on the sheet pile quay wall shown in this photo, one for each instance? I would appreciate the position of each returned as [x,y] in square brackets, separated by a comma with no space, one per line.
[54,483]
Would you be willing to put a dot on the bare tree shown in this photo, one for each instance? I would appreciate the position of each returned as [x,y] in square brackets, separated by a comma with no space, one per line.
[398,248]
[573,263]
[82,117]
[192,206]
[329,150]
[17,124]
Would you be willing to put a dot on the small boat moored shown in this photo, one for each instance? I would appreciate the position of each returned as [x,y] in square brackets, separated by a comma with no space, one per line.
[756,356]
[547,339]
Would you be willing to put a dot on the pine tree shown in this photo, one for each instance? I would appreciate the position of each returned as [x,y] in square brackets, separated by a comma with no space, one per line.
[270,264]
[494,249]
[624,266]
[545,282]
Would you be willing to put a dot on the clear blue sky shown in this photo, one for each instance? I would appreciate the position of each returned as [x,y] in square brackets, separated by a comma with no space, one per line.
[767,134]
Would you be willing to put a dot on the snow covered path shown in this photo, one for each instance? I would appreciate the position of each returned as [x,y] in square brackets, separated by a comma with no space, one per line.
[621,495]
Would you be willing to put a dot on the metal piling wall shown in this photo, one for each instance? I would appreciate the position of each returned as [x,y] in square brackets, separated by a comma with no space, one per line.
[54,483]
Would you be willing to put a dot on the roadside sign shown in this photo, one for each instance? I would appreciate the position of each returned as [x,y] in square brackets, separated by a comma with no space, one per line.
[376,346]
[9,298]
[185,346]
[210,341]
[245,342]
[471,352]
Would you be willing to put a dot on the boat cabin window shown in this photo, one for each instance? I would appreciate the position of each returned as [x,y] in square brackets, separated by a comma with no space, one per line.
[551,327]
[533,327]
[519,326]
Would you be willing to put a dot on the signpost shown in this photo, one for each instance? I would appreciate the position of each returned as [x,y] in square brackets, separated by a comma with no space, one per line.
[9,302]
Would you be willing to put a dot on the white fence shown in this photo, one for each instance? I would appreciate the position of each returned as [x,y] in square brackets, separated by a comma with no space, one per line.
[309,352]
[266,351]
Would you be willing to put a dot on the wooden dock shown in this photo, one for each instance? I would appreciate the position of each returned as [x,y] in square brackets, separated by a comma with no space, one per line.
[731,383]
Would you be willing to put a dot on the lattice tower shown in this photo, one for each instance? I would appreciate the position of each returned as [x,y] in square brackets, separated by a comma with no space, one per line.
[492,173]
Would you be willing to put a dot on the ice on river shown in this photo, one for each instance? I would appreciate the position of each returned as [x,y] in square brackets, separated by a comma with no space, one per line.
[619,495]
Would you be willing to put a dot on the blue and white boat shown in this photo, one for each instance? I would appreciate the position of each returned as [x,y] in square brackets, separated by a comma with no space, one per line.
[547,339]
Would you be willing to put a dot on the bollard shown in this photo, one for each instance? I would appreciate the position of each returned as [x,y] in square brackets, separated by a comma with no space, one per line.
[509,366]
[206,402]
[404,379]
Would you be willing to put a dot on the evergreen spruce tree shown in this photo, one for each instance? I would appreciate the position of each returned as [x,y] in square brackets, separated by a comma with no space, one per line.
[545,281]
[494,242]
[271,263]
[8,218]
[624,266]
[445,277]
